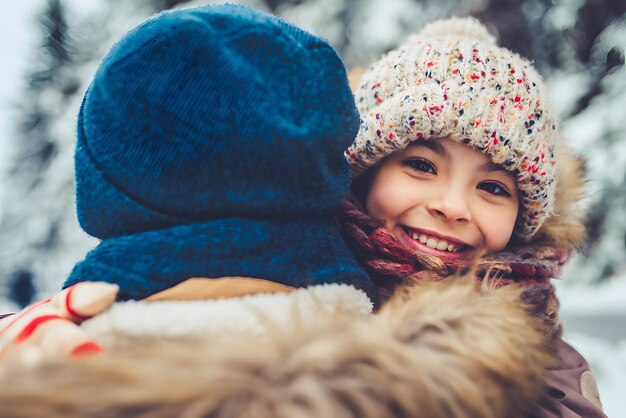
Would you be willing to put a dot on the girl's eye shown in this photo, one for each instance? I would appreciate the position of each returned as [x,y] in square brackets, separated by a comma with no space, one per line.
[494,188]
[419,164]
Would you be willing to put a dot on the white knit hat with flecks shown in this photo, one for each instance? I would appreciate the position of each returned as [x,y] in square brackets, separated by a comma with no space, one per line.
[452,80]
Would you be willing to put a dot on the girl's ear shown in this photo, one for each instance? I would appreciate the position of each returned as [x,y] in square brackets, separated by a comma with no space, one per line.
[565,227]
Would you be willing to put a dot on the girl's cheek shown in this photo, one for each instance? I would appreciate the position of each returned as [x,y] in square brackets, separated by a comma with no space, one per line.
[499,243]
[379,203]
[383,199]
[499,229]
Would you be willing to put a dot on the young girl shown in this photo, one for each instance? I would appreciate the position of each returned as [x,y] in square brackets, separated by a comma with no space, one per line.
[458,160]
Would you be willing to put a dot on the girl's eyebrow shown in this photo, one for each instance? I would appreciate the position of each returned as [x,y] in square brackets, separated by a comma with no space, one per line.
[491,166]
[434,146]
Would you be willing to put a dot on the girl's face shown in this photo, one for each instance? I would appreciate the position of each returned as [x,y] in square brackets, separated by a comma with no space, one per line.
[445,199]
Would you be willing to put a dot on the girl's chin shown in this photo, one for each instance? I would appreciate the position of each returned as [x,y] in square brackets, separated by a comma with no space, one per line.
[444,256]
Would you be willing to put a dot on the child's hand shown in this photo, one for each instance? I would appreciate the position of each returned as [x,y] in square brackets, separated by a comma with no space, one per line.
[50,326]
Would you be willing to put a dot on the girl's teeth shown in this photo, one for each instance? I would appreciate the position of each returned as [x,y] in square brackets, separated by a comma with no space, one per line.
[433,243]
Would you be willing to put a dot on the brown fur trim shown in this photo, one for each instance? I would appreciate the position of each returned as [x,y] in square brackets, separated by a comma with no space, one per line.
[565,228]
[485,328]
[452,349]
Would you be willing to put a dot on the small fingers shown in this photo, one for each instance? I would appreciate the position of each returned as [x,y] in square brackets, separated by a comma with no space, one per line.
[86,299]
[9,321]
[51,336]
[49,327]
[63,338]
[24,322]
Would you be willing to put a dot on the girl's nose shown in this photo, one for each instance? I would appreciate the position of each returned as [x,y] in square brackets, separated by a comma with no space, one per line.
[451,206]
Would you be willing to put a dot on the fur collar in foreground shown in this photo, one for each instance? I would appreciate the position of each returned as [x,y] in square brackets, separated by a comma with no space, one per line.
[565,228]
[449,349]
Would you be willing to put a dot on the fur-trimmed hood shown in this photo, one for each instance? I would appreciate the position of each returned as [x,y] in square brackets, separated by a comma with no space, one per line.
[450,349]
[565,226]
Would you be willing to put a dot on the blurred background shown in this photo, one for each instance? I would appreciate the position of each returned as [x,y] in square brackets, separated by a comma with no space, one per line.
[50,49]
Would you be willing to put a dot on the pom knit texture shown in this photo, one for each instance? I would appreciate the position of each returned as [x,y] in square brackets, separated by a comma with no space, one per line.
[452,80]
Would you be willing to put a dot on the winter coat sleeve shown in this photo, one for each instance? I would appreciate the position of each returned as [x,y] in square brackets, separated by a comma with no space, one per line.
[571,387]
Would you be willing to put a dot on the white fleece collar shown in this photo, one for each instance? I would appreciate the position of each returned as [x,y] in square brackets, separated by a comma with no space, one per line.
[248,314]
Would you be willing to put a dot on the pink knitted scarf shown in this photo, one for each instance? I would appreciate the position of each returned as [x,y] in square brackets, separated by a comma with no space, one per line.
[392,266]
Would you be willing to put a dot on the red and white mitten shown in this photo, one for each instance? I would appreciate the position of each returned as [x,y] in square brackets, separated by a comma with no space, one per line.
[51,326]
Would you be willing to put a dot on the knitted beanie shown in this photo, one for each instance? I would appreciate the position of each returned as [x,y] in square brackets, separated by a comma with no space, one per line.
[212,112]
[452,80]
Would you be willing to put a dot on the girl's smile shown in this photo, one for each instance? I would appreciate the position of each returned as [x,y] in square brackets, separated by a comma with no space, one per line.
[430,243]
[445,199]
